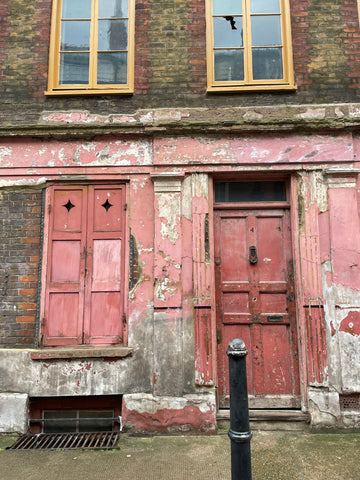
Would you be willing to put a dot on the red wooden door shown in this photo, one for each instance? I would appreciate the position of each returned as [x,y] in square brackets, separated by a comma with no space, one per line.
[84,291]
[255,302]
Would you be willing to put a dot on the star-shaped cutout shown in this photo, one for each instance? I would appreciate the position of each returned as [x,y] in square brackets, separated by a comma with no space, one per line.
[107,205]
[68,206]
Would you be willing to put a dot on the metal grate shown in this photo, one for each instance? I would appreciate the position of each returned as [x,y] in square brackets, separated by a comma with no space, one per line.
[350,402]
[67,441]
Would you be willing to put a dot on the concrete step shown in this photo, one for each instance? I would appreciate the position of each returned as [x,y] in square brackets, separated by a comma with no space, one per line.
[280,420]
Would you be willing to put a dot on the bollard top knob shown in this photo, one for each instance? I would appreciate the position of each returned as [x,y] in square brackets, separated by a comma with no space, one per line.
[237,348]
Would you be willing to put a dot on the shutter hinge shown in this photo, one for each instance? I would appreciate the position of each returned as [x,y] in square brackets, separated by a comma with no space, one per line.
[124,320]
[49,208]
[125,206]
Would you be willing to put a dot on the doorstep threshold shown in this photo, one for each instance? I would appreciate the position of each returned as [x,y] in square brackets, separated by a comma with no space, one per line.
[269,415]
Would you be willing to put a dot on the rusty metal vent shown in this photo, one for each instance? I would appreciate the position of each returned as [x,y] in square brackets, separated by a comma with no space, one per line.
[350,402]
[67,441]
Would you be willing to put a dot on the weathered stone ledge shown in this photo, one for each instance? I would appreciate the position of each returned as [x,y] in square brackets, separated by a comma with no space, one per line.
[69,353]
[192,120]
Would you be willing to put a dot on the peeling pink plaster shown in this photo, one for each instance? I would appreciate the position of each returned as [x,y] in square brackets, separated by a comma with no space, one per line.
[168,250]
[163,420]
[108,150]
[345,236]
[249,150]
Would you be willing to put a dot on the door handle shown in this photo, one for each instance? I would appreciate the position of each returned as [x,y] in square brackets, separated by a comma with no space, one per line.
[253,255]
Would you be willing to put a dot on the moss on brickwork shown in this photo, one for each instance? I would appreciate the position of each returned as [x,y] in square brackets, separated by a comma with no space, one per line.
[19,51]
[328,69]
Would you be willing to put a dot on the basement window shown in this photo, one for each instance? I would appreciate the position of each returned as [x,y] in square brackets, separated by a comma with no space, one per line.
[75,415]
[71,423]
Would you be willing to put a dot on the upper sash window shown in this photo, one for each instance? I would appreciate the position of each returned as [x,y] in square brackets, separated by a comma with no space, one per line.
[91,47]
[249,45]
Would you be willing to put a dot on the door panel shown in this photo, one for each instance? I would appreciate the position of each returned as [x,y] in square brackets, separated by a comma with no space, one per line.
[254,301]
[63,310]
[65,261]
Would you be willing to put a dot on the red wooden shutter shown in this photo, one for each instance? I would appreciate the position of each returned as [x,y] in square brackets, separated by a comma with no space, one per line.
[84,287]
[65,266]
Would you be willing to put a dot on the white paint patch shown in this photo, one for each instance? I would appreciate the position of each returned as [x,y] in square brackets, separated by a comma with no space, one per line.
[21,182]
[169,212]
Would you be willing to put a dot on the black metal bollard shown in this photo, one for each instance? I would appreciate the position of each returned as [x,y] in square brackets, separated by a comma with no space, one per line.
[239,433]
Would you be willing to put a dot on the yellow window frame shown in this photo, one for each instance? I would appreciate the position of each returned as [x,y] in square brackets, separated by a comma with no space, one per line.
[249,84]
[54,88]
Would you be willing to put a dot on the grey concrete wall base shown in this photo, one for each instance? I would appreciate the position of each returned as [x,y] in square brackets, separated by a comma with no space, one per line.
[324,407]
[13,412]
[351,419]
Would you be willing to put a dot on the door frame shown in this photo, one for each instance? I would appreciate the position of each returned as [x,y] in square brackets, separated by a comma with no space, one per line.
[292,204]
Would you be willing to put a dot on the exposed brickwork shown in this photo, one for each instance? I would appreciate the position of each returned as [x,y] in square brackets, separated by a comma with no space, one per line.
[350,16]
[20,213]
[197,51]
[142,48]
[4,32]
[19,52]
[40,48]
[301,45]
[169,48]
[328,64]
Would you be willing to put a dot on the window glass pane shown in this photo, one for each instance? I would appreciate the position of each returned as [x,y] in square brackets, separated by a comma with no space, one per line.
[265,31]
[112,68]
[74,69]
[227,7]
[113,35]
[65,421]
[250,191]
[264,6]
[76,9]
[228,32]
[267,63]
[59,421]
[96,424]
[229,65]
[75,36]
[113,8]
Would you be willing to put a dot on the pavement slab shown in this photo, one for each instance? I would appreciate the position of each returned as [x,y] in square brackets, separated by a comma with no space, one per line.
[274,456]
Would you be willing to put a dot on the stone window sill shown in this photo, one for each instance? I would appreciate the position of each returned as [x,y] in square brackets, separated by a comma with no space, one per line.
[80,352]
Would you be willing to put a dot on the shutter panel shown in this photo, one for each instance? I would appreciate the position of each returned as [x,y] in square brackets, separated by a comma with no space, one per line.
[103,298]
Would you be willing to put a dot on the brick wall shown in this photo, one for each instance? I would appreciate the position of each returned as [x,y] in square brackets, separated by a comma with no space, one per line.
[170,59]
[20,218]
[352,42]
